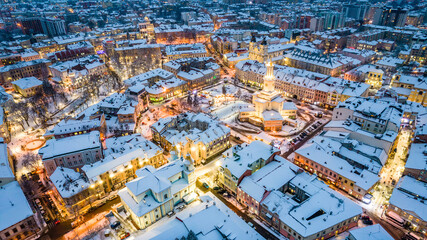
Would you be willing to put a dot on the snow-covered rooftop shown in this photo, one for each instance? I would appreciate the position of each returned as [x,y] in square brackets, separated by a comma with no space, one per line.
[321,209]
[417,158]
[212,131]
[410,196]
[242,156]
[58,147]
[211,220]
[28,82]
[185,49]
[373,232]
[120,152]
[14,206]
[68,182]
[5,170]
[331,154]
[139,193]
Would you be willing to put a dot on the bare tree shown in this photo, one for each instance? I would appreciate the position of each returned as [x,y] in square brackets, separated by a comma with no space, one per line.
[21,111]
[49,91]
[30,160]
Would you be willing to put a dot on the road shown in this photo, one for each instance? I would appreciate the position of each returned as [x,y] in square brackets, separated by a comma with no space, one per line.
[65,229]
[392,230]
[390,173]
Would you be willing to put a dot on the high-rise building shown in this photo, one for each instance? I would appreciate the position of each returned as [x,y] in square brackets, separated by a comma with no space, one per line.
[233,1]
[317,24]
[391,17]
[333,19]
[356,11]
[53,26]
[49,26]
[31,25]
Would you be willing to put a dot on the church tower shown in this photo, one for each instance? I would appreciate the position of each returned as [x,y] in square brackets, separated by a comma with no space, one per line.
[269,78]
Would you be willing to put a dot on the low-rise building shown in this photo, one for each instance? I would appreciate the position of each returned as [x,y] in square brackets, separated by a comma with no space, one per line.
[417,53]
[373,232]
[312,60]
[389,64]
[369,74]
[36,68]
[74,190]
[159,85]
[197,72]
[307,209]
[407,204]
[420,135]
[7,168]
[253,189]
[373,115]
[71,152]
[243,160]
[210,220]
[195,136]
[30,55]
[341,163]
[385,141]
[174,52]
[123,156]
[17,219]
[71,127]
[413,88]
[364,56]
[264,52]
[155,192]
[28,86]
[120,111]
[301,84]
[416,164]
[74,51]
[4,126]
[77,72]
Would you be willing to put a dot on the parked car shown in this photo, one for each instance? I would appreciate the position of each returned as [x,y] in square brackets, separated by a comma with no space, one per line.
[367,221]
[171,213]
[100,203]
[111,197]
[123,235]
[115,225]
[107,232]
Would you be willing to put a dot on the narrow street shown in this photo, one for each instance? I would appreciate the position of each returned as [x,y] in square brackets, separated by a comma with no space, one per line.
[65,229]
[390,174]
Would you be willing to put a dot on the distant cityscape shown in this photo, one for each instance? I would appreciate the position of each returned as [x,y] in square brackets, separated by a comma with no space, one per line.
[213,120]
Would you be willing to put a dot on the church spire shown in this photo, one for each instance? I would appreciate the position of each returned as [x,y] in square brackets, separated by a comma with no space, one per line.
[269,76]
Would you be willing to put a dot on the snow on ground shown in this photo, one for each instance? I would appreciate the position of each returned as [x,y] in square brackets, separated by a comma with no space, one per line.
[229,110]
